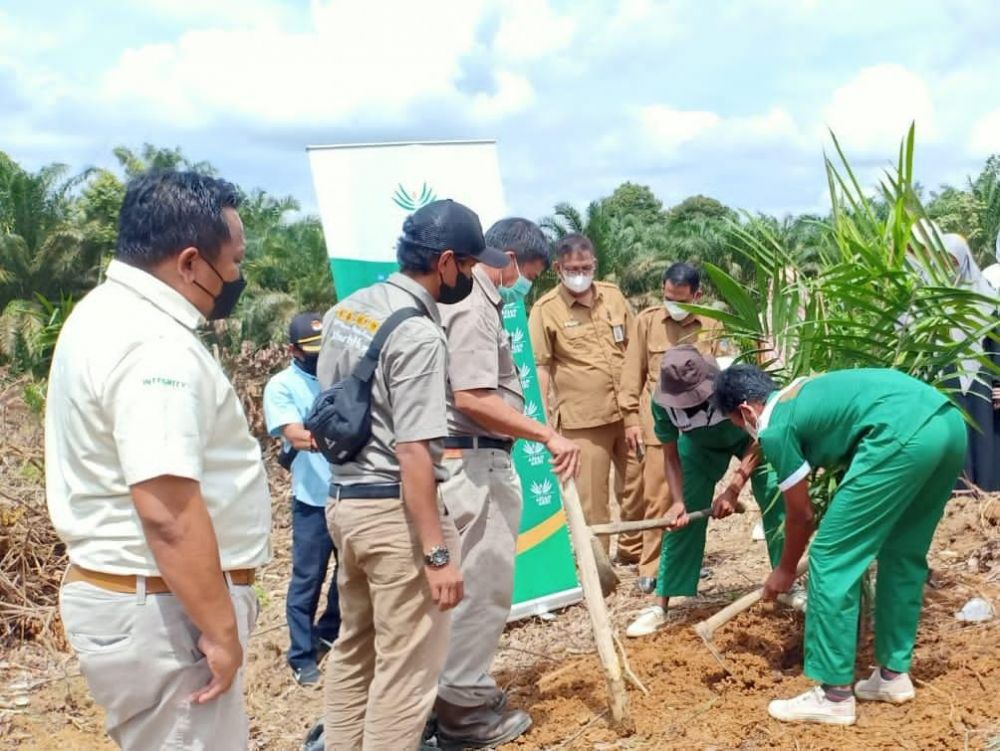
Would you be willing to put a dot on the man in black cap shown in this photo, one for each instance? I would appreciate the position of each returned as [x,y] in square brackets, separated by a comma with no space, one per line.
[699,443]
[288,397]
[398,571]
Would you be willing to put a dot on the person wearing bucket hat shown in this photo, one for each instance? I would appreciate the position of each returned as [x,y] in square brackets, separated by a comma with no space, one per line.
[288,397]
[698,444]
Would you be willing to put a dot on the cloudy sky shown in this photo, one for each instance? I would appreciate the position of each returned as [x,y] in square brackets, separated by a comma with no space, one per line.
[728,99]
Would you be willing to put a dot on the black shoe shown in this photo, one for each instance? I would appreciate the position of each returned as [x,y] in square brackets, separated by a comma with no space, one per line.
[307,675]
[646,584]
[322,649]
[314,740]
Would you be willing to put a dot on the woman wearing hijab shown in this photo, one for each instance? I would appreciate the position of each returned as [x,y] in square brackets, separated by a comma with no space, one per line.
[978,388]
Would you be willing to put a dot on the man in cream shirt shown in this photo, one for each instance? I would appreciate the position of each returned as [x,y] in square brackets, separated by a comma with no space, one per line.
[153,479]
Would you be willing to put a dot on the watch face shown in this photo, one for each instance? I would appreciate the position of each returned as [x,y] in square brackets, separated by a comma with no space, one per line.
[438,557]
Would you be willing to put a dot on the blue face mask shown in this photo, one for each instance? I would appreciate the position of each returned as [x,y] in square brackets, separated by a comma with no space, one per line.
[516,291]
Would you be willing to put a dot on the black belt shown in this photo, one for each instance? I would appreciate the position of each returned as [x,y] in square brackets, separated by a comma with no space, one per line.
[370,490]
[478,442]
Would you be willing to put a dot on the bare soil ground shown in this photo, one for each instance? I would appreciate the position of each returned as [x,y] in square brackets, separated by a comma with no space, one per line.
[550,667]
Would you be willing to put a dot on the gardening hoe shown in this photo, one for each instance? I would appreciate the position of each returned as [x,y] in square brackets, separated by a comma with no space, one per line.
[706,629]
[605,571]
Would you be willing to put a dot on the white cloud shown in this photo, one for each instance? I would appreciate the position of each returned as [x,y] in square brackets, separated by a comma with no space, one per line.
[985,138]
[372,61]
[873,110]
[530,29]
[218,13]
[514,93]
[667,129]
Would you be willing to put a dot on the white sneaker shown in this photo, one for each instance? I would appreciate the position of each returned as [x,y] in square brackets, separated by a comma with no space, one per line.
[795,598]
[899,690]
[813,706]
[650,620]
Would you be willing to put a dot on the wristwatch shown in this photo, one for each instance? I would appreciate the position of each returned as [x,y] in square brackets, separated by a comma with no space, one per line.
[437,557]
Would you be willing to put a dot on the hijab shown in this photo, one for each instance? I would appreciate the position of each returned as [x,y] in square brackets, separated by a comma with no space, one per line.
[970,277]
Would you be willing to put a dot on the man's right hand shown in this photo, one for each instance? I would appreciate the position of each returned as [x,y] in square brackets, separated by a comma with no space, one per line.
[678,513]
[565,456]
[224,659]
[633,437]
[447,586]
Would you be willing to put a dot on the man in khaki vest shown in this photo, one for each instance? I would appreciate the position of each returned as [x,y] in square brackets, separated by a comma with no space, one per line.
[579,333]
[657,329]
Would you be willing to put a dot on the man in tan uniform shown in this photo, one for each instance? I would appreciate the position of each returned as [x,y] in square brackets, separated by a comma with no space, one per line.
[579,333]
[657,329]
[399,560]
[483,493]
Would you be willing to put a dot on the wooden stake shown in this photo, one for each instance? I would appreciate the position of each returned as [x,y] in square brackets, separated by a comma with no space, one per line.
[621,719]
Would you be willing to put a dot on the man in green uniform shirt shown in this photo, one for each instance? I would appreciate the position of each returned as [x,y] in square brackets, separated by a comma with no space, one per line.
[902,444]
[698,445]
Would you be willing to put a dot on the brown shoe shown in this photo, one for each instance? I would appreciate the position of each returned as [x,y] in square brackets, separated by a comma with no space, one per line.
[477,727]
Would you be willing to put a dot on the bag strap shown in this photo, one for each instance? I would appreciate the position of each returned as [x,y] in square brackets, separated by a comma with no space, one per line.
[366,368]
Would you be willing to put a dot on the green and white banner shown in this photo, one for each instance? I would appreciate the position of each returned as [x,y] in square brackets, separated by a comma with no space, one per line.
[545,576]
[364,192]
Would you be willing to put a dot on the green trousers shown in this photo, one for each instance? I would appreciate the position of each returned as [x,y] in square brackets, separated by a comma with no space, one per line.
[705,457]
[887,509]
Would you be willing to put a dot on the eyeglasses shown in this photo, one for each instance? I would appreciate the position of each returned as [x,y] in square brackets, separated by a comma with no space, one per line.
[579,269]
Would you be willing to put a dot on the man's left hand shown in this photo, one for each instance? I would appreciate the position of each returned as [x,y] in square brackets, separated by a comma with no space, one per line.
[778,582]
[725,503]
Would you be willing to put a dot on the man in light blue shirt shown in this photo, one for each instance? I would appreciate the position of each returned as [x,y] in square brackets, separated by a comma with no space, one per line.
[288,398]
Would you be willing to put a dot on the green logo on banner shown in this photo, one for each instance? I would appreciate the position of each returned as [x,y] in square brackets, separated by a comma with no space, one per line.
[413,201]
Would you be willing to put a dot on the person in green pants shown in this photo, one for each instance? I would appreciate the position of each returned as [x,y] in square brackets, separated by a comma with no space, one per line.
[902,444]
[699,443]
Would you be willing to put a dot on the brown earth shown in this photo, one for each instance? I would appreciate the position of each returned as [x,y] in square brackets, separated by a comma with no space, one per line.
[550,668]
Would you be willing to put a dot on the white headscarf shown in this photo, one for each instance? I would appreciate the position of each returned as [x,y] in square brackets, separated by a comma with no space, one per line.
[972,278]
[969,274]
[992,272]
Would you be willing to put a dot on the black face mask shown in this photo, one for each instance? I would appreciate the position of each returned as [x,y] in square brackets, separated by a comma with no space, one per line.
[225,301]
[453,293]
[308,363]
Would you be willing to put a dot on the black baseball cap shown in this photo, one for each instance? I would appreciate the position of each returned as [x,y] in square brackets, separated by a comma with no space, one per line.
[306,331]
[448,225]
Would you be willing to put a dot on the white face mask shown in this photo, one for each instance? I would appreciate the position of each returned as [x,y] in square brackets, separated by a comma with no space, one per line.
[675,311]
[578,283]
[751,428]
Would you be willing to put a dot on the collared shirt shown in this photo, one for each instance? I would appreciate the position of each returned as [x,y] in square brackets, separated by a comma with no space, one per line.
[584,348]
[134,395]
[655,332]
[288,397]
[479,353]
[822,420]
[410,386]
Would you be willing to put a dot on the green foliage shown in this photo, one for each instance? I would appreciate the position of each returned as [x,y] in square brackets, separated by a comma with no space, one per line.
[58,233]
[974,211]
[852,296]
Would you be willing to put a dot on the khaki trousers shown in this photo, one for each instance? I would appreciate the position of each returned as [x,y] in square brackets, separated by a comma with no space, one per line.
[600,447]
[657,502]
[483,497]
[139,654]
[632,502]
[382,673]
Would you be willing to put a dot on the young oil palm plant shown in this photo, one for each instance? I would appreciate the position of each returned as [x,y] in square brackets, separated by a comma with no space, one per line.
[862,294]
